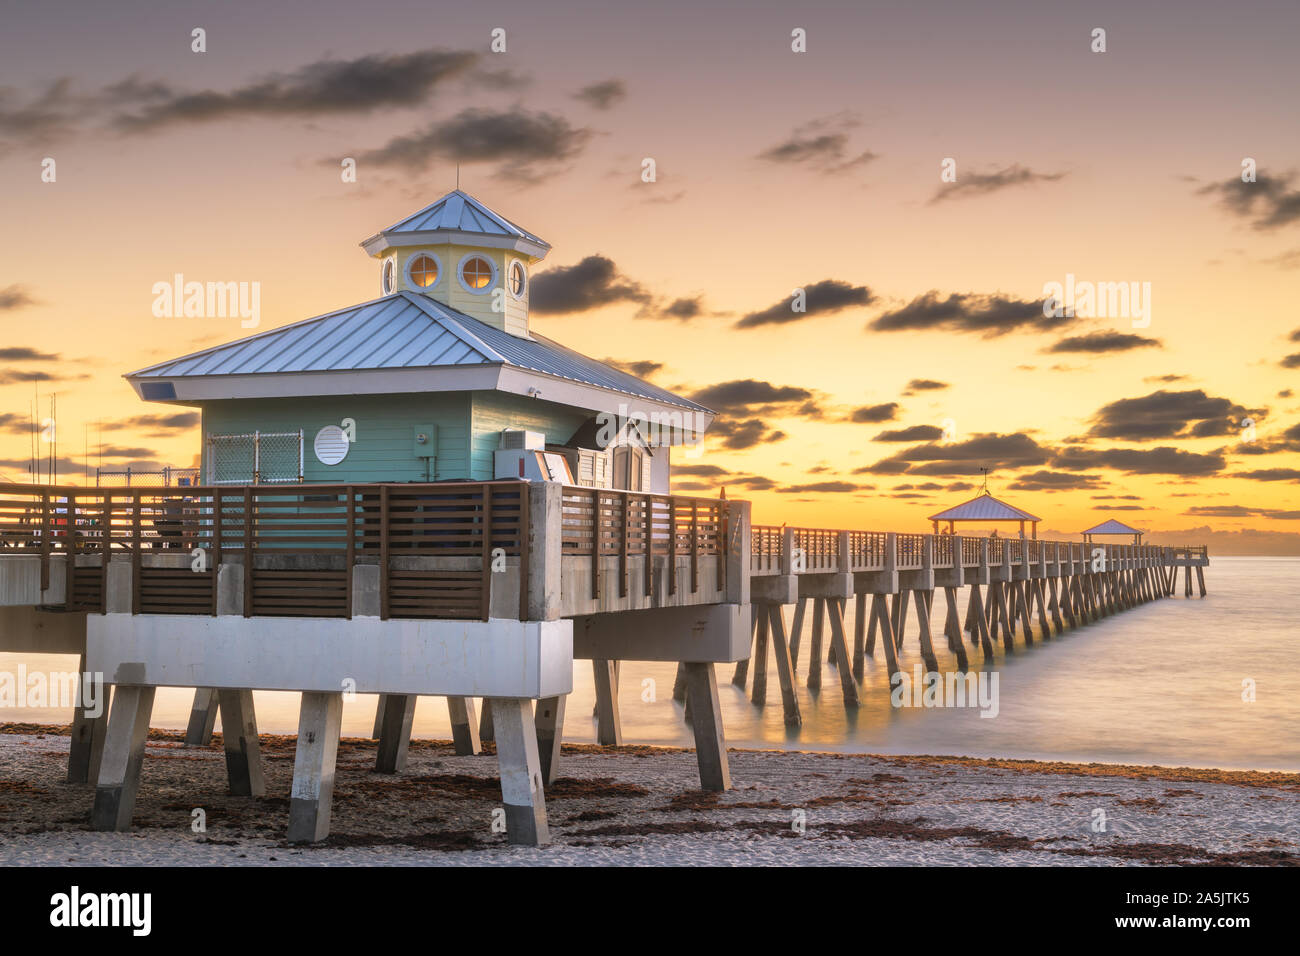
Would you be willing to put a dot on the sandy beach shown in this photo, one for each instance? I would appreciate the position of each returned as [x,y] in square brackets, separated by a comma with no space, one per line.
[639,806]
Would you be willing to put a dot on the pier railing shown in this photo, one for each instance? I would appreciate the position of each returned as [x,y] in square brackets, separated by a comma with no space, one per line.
[298,547]
[878,550]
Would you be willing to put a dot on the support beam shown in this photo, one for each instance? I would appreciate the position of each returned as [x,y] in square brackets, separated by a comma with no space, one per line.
[880,612]
[396,714]
[203,717]
[522,789]
[860,616]
[379,717]
[923,626]
[609,732]
[784,666]
[123,757]
[741,673]
[243,748]
[706,721]
[815,646]
[759,693]
[464,726]
[796,631]
[838,642]
[952,628]
[549,723]
[311,799]
[86,749]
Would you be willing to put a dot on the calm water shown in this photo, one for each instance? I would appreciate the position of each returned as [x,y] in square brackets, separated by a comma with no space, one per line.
[1160,684]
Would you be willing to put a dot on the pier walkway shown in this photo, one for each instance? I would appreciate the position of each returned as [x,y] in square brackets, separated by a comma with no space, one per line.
[485,591]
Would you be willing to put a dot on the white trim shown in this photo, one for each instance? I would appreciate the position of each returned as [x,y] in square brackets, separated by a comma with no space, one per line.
[437,237]
[387,381]
[460,274]
[391,261]
[406,271]
[510,279]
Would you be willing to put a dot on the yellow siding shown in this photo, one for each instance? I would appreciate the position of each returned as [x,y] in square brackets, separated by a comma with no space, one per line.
[448,290]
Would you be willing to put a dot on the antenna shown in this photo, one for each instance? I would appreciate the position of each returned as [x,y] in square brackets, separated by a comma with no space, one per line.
[984,490]
[458,175]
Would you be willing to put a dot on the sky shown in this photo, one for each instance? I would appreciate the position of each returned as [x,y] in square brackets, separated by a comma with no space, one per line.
[917,177]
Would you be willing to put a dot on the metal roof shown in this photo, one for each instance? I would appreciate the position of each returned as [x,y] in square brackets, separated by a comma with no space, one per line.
[460,212]
[1111,526]
[984,508]
[402,330]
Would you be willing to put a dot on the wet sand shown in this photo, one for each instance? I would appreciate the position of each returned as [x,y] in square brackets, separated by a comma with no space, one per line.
[641,806]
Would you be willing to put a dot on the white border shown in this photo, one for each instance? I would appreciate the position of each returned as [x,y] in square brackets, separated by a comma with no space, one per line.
[389,260]
[492,284]
[406,270]
[510,284]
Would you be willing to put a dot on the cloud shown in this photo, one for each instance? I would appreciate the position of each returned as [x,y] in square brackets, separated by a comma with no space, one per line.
[1099,342]
[684,308]
[821,298]
[913,433]
[1054,481]
[518,139]
[822,144]
[979,184]
[157,426]
[1269,474]
[872,414]
[602,95]
[15,297]
[1163,460]
[1164,414]
[700,471]
[590,284]
[837,487]
[21,353]
[9,376]
[1241,511]
[988,315]
[641,369]
[1291,361]
[739,435]
[990,450]
[320,88]
[918,385]
[1267,203]
[750,395]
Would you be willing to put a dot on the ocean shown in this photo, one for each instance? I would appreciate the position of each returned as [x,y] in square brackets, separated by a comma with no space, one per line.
[1165,683]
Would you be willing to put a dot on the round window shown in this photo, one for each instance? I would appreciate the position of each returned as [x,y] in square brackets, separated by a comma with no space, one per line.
[331,445]
[476,273]
[388,276]
[518,279]
[423,271]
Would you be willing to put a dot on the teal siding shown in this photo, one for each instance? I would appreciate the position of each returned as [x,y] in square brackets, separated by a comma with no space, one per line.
[385,429]
[494,411]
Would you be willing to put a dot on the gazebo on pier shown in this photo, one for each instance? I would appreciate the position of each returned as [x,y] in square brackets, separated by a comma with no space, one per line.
[985,508]
[1111,526]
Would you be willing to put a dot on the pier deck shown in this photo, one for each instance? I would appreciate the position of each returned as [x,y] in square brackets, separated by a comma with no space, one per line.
[486,590]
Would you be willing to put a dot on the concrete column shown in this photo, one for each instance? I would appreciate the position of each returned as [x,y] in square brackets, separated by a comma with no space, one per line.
[486,732]
[87,747]
[379,717]
[394,719]
[123,756]
[203,717]
[609,732]
[549,722]
[464,726]
[522,789]
[546,527]
[311,801]
[243,749]
[706,721]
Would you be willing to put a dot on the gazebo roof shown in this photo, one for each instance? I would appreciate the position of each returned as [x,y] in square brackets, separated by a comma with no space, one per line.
[1111,526]
[984,508]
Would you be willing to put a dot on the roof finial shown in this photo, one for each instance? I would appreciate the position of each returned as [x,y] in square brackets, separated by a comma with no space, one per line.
[984,490]
[458,176]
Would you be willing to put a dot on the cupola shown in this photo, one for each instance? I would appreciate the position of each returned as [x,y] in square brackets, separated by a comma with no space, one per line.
[464,255]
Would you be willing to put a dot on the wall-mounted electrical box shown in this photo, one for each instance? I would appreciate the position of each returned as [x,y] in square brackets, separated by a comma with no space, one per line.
[424,438]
